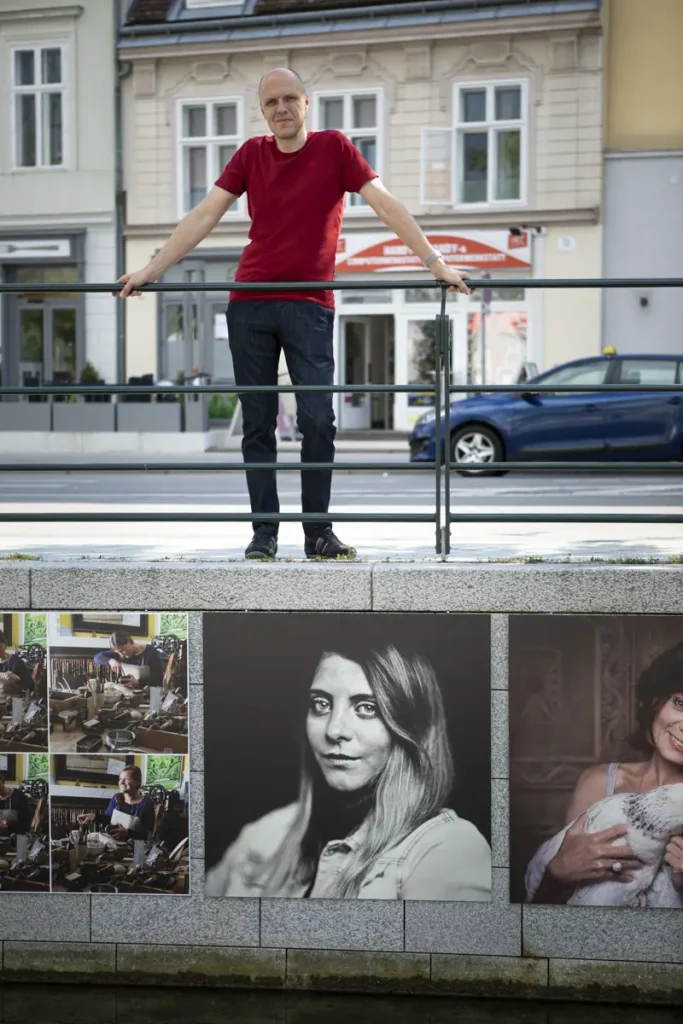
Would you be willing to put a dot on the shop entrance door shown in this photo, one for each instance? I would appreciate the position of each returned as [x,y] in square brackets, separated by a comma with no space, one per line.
[356,408]
[415,347]
[367,357]
[47,342]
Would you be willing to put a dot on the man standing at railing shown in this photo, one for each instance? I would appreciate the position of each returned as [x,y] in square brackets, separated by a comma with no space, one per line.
[296,183]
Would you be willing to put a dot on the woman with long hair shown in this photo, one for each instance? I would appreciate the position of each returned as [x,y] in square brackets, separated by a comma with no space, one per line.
[587,858]
[370,821]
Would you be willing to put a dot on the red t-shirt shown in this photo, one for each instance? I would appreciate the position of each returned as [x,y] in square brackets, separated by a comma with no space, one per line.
[296,204]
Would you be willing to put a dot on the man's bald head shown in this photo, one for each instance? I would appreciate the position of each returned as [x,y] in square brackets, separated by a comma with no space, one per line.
[284,103]
[295,78]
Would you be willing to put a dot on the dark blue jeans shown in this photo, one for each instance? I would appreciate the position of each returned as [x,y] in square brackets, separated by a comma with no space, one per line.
[258,330]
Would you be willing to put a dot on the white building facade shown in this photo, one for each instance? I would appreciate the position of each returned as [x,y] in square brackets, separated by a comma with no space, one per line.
[57,187]
[487,123]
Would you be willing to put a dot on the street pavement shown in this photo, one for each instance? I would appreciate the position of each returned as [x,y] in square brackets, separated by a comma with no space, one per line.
[388,492]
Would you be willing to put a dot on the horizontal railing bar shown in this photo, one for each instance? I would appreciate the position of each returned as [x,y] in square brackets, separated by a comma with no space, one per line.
[363,284]
[562,517]
[214,517]
[210,467]
[206,389]
[345,389]
[565,467]
[342,517]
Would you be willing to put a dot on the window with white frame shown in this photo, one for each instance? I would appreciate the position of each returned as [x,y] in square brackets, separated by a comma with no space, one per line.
[482,159]
[358,115]
[38,104]
[210,133]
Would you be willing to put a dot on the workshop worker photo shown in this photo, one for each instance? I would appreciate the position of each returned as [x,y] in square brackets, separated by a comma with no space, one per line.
[15,675]
[129,812]
[124,651]
[15,810]
[296,181]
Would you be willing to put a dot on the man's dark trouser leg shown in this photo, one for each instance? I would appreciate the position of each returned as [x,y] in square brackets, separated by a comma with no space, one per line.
[306,330]
[252,331]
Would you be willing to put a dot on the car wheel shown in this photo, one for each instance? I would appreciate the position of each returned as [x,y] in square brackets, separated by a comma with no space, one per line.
[476,443]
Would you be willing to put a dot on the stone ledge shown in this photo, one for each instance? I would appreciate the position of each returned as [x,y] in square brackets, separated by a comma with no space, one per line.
[16,585]
[71,962]
[201,965]
[203,586]
[600,589]
[600,980]
[353,971]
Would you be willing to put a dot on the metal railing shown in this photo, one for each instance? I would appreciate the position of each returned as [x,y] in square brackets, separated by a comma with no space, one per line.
[442,517]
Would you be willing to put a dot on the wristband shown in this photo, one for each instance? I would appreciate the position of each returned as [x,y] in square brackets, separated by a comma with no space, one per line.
[432,259]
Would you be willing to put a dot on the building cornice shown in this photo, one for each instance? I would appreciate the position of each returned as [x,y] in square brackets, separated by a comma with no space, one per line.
[177,44]
[42,13]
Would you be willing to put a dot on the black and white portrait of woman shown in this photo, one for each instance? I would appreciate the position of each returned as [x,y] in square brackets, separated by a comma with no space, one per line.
[347,756]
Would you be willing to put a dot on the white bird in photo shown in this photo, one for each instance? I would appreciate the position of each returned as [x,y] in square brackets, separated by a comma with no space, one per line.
[652,820]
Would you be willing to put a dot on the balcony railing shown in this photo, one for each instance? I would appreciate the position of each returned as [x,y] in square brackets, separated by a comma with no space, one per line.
[441,516]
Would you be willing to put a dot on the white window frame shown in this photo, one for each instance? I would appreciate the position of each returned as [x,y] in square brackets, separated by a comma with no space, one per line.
[449,199]
[37,90]
[212,142]
[491,127]
[348,95]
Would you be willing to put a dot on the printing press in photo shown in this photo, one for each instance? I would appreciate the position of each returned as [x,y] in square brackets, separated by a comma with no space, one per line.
[118,683]
[120,824]
[24,823]
[23,683]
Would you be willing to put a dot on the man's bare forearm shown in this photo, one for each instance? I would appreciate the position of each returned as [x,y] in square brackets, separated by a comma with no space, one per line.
[189,233]
[399,220]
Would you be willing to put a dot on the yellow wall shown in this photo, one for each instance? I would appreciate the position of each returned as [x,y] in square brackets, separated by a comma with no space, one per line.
[644,74]
[154,623]
[571,318]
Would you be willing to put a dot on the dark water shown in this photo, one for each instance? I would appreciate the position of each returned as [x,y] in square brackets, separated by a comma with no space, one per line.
[61,1004]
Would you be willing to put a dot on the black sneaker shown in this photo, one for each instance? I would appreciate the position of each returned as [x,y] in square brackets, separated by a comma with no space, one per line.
[263,545]
[327,545]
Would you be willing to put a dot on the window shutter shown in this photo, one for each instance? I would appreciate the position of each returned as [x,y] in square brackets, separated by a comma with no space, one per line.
[436,167]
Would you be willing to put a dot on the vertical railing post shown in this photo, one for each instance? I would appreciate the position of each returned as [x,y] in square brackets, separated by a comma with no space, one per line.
[446,349]
[438,350]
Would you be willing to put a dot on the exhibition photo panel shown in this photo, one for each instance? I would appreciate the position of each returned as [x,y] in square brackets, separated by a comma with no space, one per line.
[120,823]
[94,759]
[596,760]
[118,682]
[347,756]
[24,823]
[23,683]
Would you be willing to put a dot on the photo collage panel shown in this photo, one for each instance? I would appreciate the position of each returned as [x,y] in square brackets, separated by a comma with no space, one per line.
[94,752]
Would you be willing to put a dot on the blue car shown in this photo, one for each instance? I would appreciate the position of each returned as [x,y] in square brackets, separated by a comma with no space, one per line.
[586,426]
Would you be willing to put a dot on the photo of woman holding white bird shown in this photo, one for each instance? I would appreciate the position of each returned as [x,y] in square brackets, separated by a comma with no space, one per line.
[620,840]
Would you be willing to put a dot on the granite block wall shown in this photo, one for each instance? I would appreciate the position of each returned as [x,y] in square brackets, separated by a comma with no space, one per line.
[493,949]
